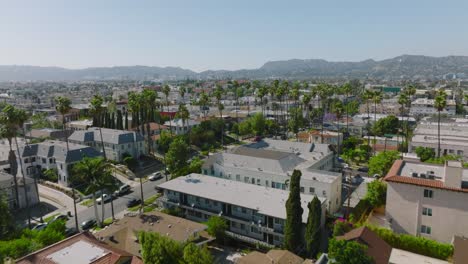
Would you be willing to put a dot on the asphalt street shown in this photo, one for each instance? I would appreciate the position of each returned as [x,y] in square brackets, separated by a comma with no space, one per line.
[120,203]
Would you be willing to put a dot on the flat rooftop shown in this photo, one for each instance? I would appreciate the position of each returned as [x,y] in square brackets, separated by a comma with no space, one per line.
[265,200]
[399,256]
[81,252]
[410,167]
[449,140]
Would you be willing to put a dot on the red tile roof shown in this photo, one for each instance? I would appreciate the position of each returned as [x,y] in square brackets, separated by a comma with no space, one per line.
[377,248]
[393,175]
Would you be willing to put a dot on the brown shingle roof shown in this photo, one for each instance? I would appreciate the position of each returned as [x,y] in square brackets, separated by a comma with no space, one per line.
[377,248]
[273,256]
[112,256]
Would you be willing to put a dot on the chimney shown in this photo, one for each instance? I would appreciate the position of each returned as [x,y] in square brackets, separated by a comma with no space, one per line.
[453,172]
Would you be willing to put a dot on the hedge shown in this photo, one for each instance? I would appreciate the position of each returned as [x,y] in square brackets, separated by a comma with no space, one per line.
[361,209]
[419,245]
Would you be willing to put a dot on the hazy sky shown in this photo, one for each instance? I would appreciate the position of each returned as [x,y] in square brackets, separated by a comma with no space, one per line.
[222,34]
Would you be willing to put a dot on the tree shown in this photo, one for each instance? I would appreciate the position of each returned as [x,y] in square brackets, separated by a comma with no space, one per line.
[425,153]
[177,155]
[218,93]
[293,227]
[7,222]
[97,174]
[166,90]
[348,252]
[376,193]
[97,110]
[386,125]
[257,123]
[338,111]
[367,96]
[217,227]
[376,98]
[346,89]
[194,254]
[7,130]
[312,233]
[341,227]
[296,121]
[440,103]
[382,162]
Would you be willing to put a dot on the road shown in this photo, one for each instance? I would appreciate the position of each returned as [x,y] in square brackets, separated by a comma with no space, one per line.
[120,203]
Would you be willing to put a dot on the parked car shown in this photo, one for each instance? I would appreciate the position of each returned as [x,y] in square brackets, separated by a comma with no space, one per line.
[133,202]
[39,227]
[88,224]
[70,231]
[104,197]
[122,190]
[155,176]
[59,218]
[363,169]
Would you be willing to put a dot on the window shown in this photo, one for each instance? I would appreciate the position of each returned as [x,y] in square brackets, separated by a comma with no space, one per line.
[267,183]
[428,193]
[312,190]
[234,224]
[258,181]
[215,203]
[425,229]
[237,177]
[246,179]
[427,211]
[302,189]
[254,229]
[324,193]
[197,199]
[242,226]
[244,211]
[253,181]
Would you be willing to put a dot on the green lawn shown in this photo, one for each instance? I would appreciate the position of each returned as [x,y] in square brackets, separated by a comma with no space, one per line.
[88,202]
[148,204]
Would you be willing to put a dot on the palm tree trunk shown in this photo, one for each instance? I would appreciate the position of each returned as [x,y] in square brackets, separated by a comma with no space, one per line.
[438,135]
[102,207]
[26,198]
[368,123]
[13,170]
[96,215]
[102,143]
[375,121]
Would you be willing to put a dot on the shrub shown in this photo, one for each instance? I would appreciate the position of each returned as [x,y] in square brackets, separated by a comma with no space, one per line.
[362,208]
[419,245]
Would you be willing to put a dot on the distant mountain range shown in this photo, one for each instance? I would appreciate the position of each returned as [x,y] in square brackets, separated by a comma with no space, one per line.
[405,66]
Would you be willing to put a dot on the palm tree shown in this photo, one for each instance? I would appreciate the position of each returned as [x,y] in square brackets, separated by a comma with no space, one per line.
[134,105]
[324,92]
[261,92]
[376,98]
[440,103]
[306,98]
[410,92]
[338,111]
[96,172]
[237,91]
[403,101]
[8,132]
[96,110]
[203,103]
[367,96]
[166,90]
[182,92]
[149,97]
[346,89]
[183,114]
[218,93]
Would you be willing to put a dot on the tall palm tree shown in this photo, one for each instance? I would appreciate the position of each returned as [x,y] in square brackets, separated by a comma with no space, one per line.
[346,89]
[218,93]
[97,174]
[236,90]
[367,96]
[183,114]
[134,105]
[166,90]
[149,98]
[338,110]
[261,93]
[182,91]
[63,106]
[376,99]
[410,91]
[324,92]
[8,132]
[203,103]
[440,103]
[403,101]
[97,110]
[306,98]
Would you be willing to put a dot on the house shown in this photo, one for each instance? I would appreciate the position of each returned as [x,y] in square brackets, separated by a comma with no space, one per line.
[80,124]
[53,155]
[255,214]
[424,106]
[377,248]
[270,163]
[329,137]
[180,127]
[274,256]
[7,187]
[49,133]
[155,130]
[428,200]
[117,143]
[82,248]
[123,233]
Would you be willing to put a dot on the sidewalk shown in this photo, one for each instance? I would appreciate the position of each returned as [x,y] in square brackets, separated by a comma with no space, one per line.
[59,198]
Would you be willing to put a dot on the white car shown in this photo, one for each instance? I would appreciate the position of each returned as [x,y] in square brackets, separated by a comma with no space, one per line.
[104,197]
[155,176]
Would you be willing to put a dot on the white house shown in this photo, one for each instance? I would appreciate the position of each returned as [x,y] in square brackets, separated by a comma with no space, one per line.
[179,128]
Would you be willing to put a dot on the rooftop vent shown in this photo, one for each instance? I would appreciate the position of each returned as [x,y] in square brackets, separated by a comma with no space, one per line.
[414,174]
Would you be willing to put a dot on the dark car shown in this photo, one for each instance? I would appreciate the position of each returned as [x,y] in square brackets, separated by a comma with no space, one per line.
[363,169]
[60,217]
[133,202]
[70,231]
[88,224]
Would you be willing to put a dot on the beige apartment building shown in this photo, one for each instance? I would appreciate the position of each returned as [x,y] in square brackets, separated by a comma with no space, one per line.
[428,200]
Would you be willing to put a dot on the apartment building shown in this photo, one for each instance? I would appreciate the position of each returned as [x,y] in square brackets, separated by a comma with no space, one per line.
[116,142]
[53,155]
[424,106]
[7,188]
[179,127]
[428,200]
[328,137]
[453,136]
[270,163]
[255,214]
[387,106]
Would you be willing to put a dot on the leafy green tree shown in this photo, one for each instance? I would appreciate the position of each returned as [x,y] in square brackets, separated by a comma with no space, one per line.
[164,142]
[312,233]
[196,255]
[296,122]
[348,252]
[217,227]
[245,128]
[376,193]
[425,153]
[257,123]
[7,223]
[340,228]
[158,249]
[382,162]
[293,227]
[177,155]
[386,125]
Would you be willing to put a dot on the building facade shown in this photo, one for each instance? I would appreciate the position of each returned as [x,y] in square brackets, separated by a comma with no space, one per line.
[28,190]
[428,200]
[255,214]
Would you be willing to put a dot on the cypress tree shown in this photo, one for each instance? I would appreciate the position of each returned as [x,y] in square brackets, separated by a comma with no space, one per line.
[119,120]
[112,121]
[126,120]
[312,234]
[293,227]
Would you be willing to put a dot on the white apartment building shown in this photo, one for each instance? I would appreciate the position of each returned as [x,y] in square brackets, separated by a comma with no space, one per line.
[424,106]
[255,214]
[53,155]
[116,142]
[453,136]
[270,163]
[328,137]
[179,128]
[428,200]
